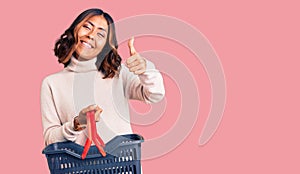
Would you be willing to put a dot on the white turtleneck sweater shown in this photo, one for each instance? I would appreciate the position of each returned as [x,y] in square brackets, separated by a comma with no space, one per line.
[80,84]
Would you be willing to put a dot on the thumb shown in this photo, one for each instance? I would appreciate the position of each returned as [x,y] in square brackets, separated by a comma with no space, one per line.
[132,50]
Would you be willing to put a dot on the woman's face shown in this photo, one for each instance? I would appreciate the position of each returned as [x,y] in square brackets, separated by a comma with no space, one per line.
[92,37]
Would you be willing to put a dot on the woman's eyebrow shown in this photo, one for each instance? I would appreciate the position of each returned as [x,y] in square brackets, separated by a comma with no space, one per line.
[98,27]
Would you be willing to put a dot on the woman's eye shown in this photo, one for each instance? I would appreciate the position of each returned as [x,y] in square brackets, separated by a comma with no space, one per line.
[101,35]
[86,26]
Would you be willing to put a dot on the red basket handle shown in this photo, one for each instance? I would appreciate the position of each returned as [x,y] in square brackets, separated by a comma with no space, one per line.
[92,136]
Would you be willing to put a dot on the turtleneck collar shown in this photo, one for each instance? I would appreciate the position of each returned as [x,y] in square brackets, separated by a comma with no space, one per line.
[82,66]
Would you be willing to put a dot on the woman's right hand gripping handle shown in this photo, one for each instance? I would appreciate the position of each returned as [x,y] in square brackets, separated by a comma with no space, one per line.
[80,121]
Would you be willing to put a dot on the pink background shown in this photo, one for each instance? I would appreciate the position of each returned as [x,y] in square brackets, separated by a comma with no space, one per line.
[258,45]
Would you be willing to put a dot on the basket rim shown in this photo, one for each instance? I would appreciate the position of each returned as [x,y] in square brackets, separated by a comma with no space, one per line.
[109,147]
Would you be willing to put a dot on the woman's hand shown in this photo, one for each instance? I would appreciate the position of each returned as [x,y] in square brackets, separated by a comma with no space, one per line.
[135,62]
[80,121]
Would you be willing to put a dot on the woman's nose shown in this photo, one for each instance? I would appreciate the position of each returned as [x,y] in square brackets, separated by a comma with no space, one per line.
[90,35]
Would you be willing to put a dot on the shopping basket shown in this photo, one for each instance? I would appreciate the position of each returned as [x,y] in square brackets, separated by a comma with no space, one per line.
[123,157]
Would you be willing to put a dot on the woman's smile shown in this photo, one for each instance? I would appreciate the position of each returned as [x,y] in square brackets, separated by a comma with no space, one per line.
[86,44]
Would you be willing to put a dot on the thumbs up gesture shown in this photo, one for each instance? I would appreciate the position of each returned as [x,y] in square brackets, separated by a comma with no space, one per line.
[135,62]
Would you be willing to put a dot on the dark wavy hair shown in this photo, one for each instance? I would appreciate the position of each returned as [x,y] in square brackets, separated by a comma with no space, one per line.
[108,60]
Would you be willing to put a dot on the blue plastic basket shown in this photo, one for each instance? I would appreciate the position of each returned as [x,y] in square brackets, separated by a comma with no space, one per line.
[123,157]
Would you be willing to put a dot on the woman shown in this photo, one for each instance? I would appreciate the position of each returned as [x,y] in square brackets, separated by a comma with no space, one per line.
[94,80]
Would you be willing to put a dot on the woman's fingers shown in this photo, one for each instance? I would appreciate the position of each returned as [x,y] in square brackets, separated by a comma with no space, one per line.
[89,108]
[136,64]
[135,60]
[97,113]
[82,115]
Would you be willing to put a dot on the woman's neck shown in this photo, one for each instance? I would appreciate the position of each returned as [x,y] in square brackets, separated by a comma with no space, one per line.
[85,65]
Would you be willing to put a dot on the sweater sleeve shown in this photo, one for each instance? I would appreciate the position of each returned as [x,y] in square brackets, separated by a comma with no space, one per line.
[147,87]
[53,129]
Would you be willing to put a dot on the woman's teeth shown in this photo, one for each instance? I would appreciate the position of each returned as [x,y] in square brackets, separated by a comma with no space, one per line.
[87,45]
